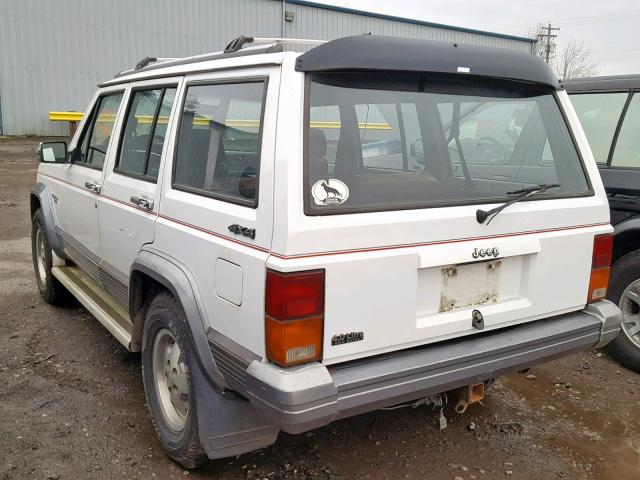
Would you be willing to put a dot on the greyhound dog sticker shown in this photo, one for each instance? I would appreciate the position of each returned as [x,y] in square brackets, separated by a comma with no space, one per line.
[329,191]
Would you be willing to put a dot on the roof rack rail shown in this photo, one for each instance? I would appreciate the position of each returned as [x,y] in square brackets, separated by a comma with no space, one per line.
[239,42]
[233,49]
[149,60]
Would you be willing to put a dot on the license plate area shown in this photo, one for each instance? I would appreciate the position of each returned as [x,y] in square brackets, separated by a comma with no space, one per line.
[469,284]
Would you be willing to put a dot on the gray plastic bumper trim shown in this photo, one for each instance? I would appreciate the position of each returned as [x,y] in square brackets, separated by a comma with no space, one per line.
[610,317]
[302,398]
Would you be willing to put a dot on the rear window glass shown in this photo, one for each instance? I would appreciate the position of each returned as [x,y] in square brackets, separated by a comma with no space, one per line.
[392,142]
[599,114]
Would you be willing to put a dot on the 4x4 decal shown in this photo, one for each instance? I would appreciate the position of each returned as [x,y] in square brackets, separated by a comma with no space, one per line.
[245,231]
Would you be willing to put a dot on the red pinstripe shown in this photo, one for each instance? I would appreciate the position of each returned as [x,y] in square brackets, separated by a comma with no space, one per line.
[335,252]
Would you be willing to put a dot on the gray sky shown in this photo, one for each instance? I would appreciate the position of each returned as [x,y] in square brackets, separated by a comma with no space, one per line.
[609,28]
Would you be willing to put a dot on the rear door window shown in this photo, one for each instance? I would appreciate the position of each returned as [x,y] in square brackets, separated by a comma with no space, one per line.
[218,151]
[144,132]
[599,114]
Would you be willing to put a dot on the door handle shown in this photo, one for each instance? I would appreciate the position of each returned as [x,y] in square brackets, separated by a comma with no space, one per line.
[145,203]
[94,187]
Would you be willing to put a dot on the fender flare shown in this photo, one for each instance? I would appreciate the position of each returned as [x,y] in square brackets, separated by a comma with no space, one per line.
[632,223]
[43,194]
[620,229]
[228,424]
[177,279]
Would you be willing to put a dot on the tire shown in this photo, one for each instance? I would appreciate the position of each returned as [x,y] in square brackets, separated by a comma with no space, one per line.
[50,288]
[625,278]
[165,373]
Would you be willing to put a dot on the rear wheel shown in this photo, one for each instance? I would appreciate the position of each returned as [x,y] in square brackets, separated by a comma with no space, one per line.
[166,361]
[50,288]
[624,289]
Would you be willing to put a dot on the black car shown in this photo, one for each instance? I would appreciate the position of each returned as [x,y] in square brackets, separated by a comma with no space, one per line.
[609,110]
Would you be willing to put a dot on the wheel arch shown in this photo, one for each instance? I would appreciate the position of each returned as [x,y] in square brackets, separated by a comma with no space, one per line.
[40,197]
[626,238]
[152,272]
[228,424]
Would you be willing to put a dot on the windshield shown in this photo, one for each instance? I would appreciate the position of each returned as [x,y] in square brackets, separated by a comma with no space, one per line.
[382,142]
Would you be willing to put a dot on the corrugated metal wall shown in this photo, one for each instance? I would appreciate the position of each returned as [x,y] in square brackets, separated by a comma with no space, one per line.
[326,24]
[52,53]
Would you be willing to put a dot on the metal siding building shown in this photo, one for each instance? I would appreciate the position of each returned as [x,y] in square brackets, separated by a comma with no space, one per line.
[53,53]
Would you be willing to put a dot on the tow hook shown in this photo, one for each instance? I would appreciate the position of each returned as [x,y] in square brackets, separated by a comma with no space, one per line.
[468,395]
[477,320]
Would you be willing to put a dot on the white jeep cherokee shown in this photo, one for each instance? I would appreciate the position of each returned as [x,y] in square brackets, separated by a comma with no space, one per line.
[290,239]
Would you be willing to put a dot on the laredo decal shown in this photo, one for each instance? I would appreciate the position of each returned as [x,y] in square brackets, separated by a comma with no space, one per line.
[329,191]
[347,338]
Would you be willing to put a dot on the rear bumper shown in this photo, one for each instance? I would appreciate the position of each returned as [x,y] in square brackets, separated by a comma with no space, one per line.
[302,398]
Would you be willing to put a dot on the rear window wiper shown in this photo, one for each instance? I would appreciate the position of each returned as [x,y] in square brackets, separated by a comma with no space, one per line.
[483,215]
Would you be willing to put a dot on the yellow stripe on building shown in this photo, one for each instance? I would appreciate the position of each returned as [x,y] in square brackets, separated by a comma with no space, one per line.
[202,121]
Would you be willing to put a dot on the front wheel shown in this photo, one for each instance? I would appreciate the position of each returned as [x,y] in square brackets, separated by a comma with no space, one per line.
[624,289]
[166,361]
[50,288]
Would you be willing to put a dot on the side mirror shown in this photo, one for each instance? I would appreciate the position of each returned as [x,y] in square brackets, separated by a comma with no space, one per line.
[53,152]
[417,150]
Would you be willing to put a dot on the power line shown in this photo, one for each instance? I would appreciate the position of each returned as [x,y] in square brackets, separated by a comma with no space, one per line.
[585,20]
[616,51]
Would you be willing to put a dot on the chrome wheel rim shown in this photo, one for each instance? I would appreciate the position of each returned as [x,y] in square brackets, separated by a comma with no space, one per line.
[170,377]
[630,307]
[41,258]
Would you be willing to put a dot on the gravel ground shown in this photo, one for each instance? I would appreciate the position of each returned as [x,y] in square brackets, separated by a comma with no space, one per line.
[72,403]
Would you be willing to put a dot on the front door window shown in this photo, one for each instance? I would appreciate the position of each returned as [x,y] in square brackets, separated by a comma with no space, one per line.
[97,133]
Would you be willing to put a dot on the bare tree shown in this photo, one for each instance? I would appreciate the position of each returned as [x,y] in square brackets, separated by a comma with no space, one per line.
[575,61]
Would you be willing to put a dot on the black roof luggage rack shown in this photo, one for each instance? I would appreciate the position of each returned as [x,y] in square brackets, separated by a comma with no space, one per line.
[233,49]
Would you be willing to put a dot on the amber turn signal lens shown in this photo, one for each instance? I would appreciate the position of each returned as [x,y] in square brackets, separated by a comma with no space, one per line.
[294,341]
[598,284]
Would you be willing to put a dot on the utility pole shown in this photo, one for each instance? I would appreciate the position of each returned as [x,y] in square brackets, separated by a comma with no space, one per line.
[548,40]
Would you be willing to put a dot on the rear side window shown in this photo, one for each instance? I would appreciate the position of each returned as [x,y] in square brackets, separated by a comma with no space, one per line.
[627,151]
[218,151]
[98,130]
[406,141]
[144,132]
[599,114]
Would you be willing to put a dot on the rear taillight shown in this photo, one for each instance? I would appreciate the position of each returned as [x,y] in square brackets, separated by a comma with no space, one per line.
[600,267]
[294,316]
